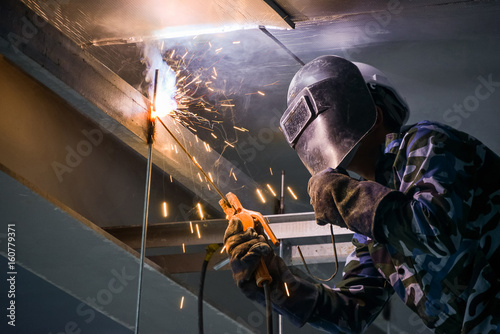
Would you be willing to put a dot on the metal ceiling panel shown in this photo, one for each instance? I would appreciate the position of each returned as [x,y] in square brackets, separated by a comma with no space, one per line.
[300,10]
[111,22]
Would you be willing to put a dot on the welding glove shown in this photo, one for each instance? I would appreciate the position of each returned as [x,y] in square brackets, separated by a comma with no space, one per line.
[245,249]
[343,201]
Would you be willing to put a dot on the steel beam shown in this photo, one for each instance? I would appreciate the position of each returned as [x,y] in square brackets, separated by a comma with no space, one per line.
[101,95]
[298,227]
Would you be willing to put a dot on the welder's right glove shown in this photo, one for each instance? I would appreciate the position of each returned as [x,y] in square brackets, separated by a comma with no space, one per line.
[245,249]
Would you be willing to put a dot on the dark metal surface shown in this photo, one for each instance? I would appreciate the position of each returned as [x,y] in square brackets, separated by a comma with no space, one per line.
[87,267]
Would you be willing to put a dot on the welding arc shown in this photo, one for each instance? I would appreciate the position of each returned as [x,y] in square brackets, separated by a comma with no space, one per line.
[277,41]
[194,161]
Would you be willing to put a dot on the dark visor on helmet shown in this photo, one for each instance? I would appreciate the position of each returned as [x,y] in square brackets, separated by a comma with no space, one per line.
[304,108]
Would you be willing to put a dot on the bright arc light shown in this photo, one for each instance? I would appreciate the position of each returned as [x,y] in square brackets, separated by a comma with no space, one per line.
[182,31]
[166,86]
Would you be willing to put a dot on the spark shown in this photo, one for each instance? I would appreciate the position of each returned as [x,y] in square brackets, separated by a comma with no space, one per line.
[261,93]
[182,302]
[274,83]
[165,212]
[213,135]
[211,89]
[286,289]
[183,248]
[234,176]
[196,137]
[199,210]
[271,189]
[236,42]
[230,171]
[291,192]
[226,105]
[261,197]
[271,170]
[185,54]
[172,54]
[214,77]
[194,80]
[208,109]
[215,72]
[240,129]
[223,248]
[171,179]
[191,227]
[218,50]
[198,231]
[199,176]
[225,141]
[210,176]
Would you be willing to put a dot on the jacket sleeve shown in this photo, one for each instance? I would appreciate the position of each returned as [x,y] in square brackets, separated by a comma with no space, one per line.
[436,170]
[357,299]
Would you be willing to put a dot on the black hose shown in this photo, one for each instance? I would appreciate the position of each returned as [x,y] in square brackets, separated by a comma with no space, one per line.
[269,307]
[200,296]
[210,251]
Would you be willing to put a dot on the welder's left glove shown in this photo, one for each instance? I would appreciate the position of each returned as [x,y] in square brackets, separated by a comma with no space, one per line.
[341,200]
[246,249]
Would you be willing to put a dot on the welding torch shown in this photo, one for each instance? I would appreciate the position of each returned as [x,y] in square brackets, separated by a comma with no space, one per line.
[232,207]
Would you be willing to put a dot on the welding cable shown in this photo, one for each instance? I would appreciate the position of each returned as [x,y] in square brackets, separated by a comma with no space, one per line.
[210,251]
[336,260]
[277,41]
[269,307]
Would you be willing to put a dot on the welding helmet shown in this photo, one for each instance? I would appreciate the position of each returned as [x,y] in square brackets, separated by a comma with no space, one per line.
[331,108]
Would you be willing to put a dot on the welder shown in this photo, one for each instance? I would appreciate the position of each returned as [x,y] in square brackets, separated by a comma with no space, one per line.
[423,202]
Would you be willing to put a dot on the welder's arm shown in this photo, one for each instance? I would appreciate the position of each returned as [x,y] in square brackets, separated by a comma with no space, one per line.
[354,302]
[348,308]
[429,216]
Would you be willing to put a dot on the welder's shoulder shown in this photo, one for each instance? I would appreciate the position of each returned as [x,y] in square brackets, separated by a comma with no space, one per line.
[425,129]
[438,137]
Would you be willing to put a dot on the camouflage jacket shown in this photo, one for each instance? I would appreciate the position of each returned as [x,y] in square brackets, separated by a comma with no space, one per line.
[439,250]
